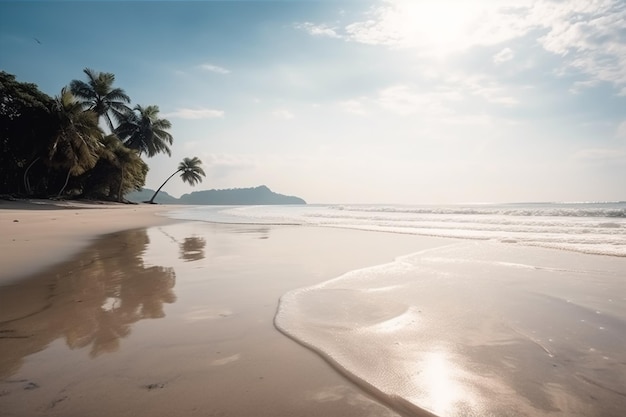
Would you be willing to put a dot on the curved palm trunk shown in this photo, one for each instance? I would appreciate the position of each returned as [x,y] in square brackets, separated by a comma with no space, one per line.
[157,191]
[67,179]
[26,180]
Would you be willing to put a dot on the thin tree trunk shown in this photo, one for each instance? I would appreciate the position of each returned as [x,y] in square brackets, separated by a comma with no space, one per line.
[119,190]
[26,180]
[67,179]
[157,191]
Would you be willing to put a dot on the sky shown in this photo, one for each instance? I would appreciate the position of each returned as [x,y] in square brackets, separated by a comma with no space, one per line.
[381,101]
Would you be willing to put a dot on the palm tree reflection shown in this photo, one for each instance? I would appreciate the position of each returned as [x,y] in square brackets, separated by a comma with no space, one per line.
[91,301]
[192,248]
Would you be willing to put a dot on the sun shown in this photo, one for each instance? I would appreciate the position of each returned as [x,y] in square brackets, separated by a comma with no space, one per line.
[436,26]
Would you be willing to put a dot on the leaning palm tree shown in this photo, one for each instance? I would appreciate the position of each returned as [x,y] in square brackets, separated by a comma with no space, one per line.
[98,95]
[77,139]
[190,171]
[142,130]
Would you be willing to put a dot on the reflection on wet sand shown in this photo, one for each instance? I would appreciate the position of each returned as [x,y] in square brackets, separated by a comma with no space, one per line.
[91,301]
[192,248]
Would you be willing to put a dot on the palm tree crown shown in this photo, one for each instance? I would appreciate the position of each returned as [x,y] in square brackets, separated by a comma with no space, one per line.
[98,95]
[142,130]
[190,170]
[77,139]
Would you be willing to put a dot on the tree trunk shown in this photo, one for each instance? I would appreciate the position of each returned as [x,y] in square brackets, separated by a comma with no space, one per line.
[26,181]
[119,190]
[157,191]
[67,179]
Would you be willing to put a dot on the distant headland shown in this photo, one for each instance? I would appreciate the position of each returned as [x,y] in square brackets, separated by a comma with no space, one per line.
[260,195]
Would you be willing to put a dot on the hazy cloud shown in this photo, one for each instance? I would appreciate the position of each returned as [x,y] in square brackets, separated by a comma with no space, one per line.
[283,114]
[215,68]
[195,114]
[317,30]
[503,56]
[354,106]
[223,165]
[601,154]
[621,130]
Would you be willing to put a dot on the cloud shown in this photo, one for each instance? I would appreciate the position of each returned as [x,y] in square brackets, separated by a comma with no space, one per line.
[503,56]
[215,68]
[224,165]
[196,114]
[283,114]
[438,27]
[588,36]
[317,30]
[601,154]
[354,106]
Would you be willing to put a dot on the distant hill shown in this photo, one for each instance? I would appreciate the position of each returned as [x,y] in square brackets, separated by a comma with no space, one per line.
[146,194]
[235,196]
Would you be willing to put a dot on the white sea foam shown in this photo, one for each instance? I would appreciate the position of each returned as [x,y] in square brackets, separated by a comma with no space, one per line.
[595,228]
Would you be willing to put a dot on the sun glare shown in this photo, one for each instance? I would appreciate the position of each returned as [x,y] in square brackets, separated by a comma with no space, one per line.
[439,27]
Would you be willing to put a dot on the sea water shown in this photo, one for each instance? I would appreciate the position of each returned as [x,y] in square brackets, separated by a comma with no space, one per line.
[523,313]
[596,228]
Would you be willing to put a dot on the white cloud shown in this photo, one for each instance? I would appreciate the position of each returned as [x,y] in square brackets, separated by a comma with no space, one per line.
[588,35]
[283,114]
[503,56]
[439,27]
[317,30]
[215,68]
[195,114]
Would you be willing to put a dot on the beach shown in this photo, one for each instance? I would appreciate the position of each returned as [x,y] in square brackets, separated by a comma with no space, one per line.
[145,315]
[173,320]
[38,233]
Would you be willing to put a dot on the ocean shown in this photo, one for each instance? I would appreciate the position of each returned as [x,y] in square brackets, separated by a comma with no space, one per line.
[523,313]
[593,227]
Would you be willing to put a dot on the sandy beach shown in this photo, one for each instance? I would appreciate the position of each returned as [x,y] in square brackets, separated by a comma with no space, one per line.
[130,313]
[37,233]
[173,320]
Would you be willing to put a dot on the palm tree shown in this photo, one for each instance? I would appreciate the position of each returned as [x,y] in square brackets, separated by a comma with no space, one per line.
[77,139]
[129,171]
[98,95]
[191,173]
[142,130]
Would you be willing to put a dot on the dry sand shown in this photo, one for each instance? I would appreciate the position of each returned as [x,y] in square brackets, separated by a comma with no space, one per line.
[174,320]
[37,233]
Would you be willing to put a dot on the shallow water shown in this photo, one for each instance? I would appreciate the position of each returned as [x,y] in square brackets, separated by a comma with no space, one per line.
[497,324]
[475,329]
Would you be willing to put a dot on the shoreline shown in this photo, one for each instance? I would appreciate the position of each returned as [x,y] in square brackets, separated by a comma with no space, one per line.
[96,323]
[175,317]
[37,234]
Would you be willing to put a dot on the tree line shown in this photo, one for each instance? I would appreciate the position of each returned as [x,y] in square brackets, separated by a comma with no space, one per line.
[56,147]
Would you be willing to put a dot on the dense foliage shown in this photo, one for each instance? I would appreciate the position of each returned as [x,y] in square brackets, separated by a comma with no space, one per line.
[56,147]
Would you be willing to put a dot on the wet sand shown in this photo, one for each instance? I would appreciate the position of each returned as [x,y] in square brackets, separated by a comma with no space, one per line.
[177,320]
